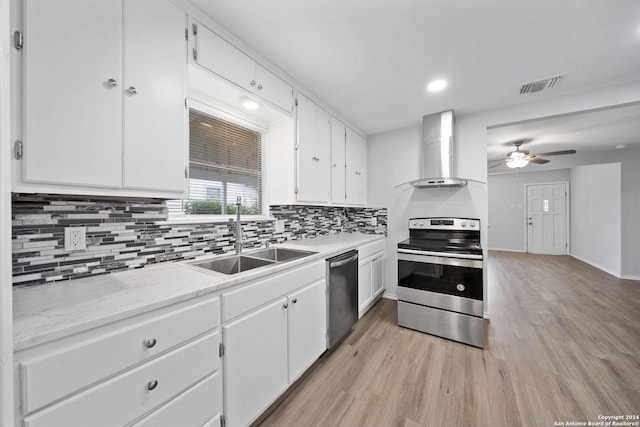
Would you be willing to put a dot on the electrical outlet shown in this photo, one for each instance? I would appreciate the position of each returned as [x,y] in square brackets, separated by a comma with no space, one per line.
[279,226]
[75,238]
[374,221]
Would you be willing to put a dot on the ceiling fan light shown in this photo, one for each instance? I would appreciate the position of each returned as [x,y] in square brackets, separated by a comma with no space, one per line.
[517,162]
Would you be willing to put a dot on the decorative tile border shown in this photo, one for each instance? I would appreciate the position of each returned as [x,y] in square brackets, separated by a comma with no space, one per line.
[126,234]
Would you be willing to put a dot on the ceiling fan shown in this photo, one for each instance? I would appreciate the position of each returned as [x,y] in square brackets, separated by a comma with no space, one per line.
[520,158]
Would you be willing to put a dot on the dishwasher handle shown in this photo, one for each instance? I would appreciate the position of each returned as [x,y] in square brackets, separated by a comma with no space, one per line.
[340,263]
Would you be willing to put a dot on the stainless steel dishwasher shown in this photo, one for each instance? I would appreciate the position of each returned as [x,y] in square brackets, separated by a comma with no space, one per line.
[342,271]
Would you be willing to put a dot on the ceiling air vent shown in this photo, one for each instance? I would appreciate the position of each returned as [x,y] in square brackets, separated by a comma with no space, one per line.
[541,85]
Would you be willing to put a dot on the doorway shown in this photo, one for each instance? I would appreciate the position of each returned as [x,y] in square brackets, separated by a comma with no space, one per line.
[547,218]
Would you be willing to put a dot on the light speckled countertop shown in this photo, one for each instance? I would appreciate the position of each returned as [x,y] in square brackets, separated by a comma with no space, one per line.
[47,312]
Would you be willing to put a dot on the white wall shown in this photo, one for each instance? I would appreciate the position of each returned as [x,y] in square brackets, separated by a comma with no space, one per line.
[393,159]
[507,219]
[596,212]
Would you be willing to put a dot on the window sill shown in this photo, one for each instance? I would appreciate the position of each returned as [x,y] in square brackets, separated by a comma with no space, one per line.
[213,219]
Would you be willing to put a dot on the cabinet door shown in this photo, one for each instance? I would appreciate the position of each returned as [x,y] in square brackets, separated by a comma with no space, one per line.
[72,114]
[313,139]
[154,116]
[307,327]
[255,362]
[356,171]
[338,186]
[378,275]
[222,58]
[365,288]
[273,89]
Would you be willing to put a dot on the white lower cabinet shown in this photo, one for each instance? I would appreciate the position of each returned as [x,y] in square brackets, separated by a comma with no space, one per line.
[255,362]
[370,275]
[307,327]
[269,345]
[147,370]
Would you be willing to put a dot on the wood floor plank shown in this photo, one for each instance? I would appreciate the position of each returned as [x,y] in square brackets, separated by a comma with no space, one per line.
[563,344]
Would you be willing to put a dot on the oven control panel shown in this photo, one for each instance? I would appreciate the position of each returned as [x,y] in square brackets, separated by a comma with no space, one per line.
[444,223]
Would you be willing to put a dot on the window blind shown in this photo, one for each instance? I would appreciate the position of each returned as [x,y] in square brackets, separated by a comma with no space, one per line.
[225,161]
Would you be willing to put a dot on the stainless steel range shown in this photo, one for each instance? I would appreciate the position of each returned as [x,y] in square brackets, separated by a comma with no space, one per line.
[440,279]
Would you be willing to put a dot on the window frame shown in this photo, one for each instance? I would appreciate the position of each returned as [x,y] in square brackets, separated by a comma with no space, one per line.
[246,122]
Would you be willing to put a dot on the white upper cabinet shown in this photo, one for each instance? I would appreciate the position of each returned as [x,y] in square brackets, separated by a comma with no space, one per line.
[314,150]
[356,171]
[103,92]
[217,55]
[72,61]
[154,89]
[338,186]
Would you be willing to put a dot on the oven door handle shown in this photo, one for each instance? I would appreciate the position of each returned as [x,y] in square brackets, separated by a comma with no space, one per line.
[440,254]
[417,256]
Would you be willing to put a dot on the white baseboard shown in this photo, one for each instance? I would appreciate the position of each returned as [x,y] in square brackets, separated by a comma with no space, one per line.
[507,250]
[628,277]
[598,266]
[390,296]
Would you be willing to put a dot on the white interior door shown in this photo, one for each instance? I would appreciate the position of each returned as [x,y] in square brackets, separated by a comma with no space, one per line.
[547,219]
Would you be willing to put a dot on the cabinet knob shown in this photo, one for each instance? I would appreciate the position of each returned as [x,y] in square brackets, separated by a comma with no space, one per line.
[259,87]
[460,287]
[150,343]
[295,300]
[315,159]
[151,385]
[285,305]
[112,83]
[253,83]
[335,165]
[132,90]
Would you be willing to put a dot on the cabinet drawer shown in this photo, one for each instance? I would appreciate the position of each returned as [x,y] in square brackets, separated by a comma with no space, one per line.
[192,408]
[254,295]
[123,398]
[370,249]
[61,372]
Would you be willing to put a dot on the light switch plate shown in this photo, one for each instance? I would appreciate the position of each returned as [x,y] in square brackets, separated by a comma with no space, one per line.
[75,238]
[279,226]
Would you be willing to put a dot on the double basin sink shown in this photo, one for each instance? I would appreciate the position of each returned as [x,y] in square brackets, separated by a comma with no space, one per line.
[238,263]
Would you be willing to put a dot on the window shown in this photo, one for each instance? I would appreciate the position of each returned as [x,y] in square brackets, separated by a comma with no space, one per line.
[225,161]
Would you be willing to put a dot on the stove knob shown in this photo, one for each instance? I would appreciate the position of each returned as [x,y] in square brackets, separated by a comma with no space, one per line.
[464,224]
[460,287]
[421,223]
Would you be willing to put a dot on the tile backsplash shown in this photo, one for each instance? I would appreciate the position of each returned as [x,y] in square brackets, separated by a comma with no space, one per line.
[125,234]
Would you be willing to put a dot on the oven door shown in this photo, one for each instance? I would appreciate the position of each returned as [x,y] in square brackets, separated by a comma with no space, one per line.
[453,284]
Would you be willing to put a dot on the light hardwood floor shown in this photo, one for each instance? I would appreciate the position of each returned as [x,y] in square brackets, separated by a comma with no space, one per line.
[563,344]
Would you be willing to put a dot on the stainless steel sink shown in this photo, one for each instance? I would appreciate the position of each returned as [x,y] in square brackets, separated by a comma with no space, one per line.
[233,264]
[280,254]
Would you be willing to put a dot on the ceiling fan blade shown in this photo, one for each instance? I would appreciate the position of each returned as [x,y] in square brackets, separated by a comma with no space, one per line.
[539,161]
[498,164]
[553,153]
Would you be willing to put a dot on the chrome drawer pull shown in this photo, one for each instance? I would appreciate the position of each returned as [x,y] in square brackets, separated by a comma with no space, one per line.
[151,385]
[150,343]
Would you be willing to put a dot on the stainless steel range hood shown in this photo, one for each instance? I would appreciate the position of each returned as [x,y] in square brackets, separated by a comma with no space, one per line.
[437,155]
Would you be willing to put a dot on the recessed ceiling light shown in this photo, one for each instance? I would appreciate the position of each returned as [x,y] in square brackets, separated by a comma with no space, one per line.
[250,104]
[620,146]
[436,85]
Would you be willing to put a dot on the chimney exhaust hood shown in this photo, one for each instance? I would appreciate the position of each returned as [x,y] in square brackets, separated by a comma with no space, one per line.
[437,152]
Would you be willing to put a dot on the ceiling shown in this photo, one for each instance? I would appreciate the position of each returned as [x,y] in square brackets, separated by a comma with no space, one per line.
[591,131]
[370,60]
